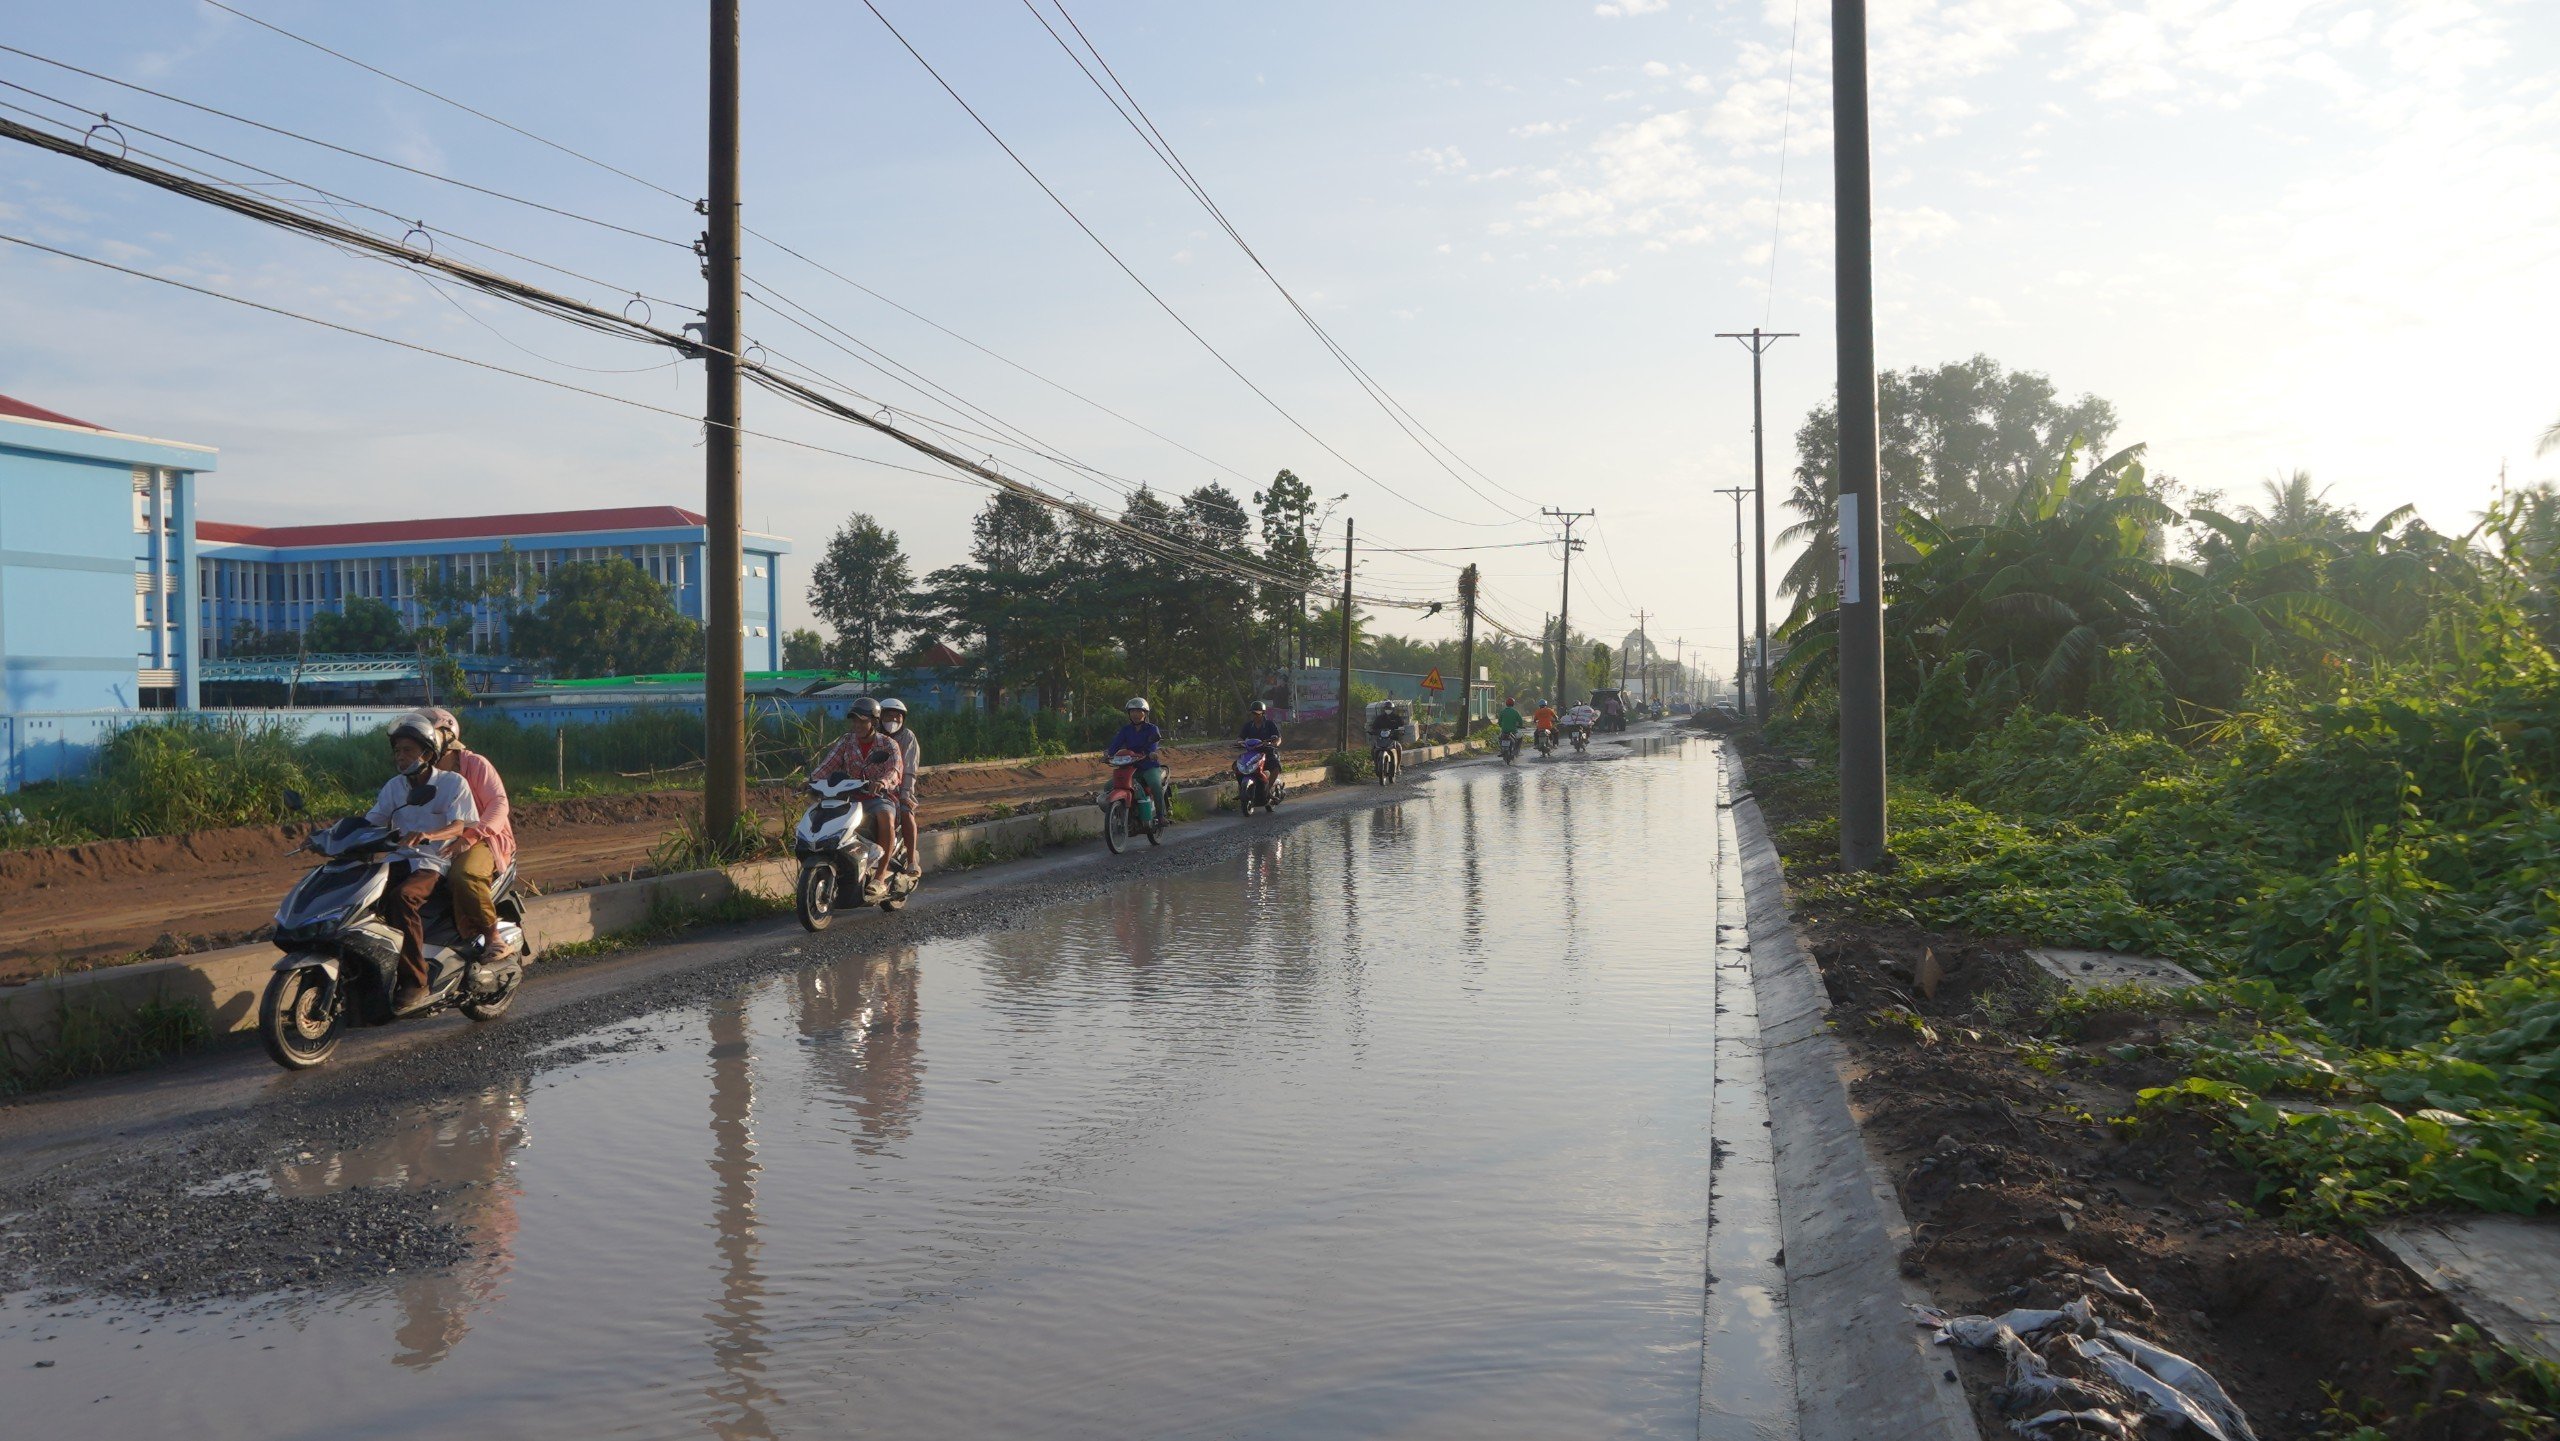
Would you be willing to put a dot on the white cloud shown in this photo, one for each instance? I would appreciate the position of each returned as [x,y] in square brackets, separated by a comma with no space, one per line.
[1614,9]
[1656,69]
[1443,159]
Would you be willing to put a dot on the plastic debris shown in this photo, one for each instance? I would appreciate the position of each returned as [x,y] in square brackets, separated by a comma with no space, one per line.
[2188,1377]
[2099,1423]
[2033,1385]
[2104,1282]
[1982,1333]
[2158,1397]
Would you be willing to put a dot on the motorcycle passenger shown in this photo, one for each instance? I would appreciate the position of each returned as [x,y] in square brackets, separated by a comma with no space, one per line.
[426,810]
[1545,721]
[1140,738]
[1582,718]
[1259,726]
[893,721]
[863,753]
[482,853]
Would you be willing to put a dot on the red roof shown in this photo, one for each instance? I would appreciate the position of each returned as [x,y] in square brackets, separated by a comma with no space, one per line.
[458,527]
[20,410]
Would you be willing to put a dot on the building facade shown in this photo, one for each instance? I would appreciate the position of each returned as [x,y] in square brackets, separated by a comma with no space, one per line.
[275,579]
[97,565]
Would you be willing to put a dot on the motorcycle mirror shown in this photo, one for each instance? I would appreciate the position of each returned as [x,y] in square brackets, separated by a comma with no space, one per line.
[292,799]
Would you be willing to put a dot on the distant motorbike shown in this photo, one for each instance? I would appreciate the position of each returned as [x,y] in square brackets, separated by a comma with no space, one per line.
[1546,743]
[1127,810]
[1581,739]
[1258,776]
[341,962]
[837,860]
[1510,747]
[1386,756]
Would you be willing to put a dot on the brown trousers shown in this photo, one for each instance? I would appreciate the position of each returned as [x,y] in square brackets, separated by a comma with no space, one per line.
[411,886]
[474,872]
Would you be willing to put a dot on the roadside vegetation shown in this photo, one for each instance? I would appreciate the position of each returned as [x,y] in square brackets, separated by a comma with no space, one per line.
[2316,759]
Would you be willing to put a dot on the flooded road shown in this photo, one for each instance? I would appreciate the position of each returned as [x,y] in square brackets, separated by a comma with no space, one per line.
[1404,1125]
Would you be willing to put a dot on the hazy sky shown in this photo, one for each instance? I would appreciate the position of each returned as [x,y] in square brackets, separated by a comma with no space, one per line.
[2276,233]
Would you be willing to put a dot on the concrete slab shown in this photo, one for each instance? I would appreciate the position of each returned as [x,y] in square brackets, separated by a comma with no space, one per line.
[2088,970]
[2501,1272]
[1863,1371]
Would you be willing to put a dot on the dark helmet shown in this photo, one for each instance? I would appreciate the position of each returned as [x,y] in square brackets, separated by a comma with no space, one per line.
[1260,706]
[863,705]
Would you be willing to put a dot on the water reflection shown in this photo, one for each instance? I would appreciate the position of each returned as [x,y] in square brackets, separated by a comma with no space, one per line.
[738,1341]
[463,1149]
[862,1029]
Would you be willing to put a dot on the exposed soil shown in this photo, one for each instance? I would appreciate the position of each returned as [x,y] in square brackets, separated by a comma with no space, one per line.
[1998,1128]
[113,902]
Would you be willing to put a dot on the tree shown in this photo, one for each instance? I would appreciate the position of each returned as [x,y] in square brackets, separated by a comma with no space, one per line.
[860,588]
[2296,511]
[804,649]
[2550,441]
[1288,510]
[1596,672]
[364,625]
[1956,442]
[997,598]
[607,617]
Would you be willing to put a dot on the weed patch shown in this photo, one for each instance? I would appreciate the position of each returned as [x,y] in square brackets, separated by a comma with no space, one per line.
[89,1040]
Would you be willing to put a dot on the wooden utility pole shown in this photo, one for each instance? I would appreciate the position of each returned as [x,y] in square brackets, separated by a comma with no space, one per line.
[724,679]
[1564,607]
[1342,698]
[1861,643]
[1467,652]
[1759,341]
[1741,643]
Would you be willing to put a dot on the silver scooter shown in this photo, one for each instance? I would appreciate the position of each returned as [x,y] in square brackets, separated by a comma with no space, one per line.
[837,860]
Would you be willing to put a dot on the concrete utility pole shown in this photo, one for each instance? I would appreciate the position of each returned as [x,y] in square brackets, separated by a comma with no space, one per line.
[1564,607]
[724,679]
[1862,762]
[1759,341]
[1342,697]
[1467,652]
[1645,644]
[1741,644]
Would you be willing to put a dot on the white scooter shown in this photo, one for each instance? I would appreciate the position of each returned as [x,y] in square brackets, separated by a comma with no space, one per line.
[837,860]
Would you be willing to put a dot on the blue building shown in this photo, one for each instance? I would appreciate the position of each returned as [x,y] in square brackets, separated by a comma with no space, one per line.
[275,579]
[97,565]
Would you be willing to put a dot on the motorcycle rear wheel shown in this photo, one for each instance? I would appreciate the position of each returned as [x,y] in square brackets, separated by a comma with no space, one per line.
[817,895]
[291,1025]
[1115,826]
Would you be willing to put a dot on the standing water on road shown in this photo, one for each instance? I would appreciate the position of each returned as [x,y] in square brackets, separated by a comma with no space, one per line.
[1400,1125]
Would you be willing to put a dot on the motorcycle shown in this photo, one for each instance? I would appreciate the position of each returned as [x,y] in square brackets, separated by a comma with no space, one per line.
[1257,776]
[341,963]
[1386,757]
[837,860]
[1546,743]
[1510,747]
[1127,809]
[1581,739]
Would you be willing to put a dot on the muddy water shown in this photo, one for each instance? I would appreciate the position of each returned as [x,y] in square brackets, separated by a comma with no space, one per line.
[1399,1126]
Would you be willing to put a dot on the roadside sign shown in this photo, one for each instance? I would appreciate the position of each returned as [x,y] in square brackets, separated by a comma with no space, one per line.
[1432,681]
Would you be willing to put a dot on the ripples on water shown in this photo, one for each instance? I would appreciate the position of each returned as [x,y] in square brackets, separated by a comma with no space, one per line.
[1397,1126]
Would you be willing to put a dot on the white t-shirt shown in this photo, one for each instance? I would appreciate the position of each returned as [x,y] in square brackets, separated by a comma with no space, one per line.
[1582,715]
[448,800]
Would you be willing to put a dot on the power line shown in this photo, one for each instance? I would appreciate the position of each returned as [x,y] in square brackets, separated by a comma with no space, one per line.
[1161,303]
[1786,132]
[1153,137]
[344,150]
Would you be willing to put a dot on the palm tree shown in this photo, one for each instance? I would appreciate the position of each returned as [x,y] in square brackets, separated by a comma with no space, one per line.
[2550,440]
[2296,510]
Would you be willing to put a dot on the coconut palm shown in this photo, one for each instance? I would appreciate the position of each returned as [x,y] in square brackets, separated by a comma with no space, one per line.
[2296,509]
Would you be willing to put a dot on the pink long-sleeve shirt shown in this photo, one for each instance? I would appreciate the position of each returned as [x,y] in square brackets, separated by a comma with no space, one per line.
[497,824]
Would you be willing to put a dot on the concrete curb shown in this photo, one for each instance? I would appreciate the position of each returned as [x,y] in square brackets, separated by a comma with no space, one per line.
[226,984]
[1864,1372]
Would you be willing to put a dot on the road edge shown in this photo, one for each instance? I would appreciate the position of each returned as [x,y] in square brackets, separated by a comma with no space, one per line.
[1864,1372]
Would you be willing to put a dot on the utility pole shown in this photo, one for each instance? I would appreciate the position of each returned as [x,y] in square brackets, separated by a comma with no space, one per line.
[1564,607]
[1467,652]
[1741,645]
[724,679]
[1759,341]
[1342,700]
[1644,643]
[1861,652]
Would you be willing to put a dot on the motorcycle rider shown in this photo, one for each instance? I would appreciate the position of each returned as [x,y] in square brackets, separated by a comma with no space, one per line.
[1545,720]
[1387,724]
[427,810]
[893,721]
[1509,721]
[1260,726]
[863,753]
[1140,738]
[1582,718]
[482,853]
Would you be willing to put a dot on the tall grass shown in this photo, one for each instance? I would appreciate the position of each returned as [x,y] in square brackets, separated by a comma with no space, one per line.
[199,773]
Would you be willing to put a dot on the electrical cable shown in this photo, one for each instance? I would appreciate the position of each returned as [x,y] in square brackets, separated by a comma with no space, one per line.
[1161,302]
[1778,207]
[344,150]
[1135,115]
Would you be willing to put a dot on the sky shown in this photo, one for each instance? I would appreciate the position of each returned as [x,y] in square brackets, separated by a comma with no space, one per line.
[2276,234]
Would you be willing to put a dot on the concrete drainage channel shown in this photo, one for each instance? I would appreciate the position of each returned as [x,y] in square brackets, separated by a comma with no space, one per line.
[225,984]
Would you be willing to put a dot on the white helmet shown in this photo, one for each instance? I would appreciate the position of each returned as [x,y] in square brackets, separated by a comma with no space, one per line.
[893,707]
[1139,702]
[419,727]
[448,725]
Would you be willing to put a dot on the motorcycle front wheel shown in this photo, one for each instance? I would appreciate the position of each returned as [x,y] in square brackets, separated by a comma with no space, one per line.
[490,1008]
[298,1026]
[1244,798]
[1115,826]
[817,898]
